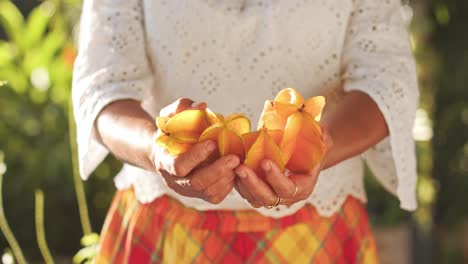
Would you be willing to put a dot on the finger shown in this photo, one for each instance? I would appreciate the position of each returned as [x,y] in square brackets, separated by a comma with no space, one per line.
[316,170]
[242,190]
[183,164]
[218,185]
[221,194]
[281,184]
[199,106]
[305,185]
[208,175]
[183,104]
[180,105]
[176,107]
[260,190]
[248,195]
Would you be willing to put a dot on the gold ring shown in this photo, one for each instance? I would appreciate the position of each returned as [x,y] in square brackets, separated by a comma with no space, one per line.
[278,201]
[295,191]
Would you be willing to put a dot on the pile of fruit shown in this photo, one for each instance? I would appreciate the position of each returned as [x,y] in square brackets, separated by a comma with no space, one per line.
[288,133]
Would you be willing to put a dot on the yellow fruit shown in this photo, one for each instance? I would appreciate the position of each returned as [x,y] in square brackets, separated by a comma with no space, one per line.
[302,146]
[261,145]
[181,131]
[227,133]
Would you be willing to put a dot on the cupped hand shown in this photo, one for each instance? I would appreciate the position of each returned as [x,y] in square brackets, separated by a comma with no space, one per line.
[186,174]
[277,188]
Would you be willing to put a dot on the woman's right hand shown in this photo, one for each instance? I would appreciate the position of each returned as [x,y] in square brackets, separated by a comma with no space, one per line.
[185,174]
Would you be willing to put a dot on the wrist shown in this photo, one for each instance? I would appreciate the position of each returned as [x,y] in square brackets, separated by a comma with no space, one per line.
[327,136]
[150,151]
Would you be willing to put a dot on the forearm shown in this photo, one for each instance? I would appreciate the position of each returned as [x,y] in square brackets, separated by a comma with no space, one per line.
[127,131]
[354,124]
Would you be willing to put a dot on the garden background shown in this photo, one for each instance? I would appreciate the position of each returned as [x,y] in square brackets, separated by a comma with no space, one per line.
[37,49]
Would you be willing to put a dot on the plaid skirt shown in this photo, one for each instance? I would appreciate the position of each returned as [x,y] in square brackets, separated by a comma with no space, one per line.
[165,231]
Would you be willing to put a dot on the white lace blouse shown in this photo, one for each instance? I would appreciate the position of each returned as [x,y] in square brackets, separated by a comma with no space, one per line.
[234,55]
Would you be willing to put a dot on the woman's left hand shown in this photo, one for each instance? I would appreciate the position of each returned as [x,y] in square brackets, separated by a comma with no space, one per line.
[277,187]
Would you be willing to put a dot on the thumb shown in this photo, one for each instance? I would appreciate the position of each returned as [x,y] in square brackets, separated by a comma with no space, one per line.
[176,107]
[199,106]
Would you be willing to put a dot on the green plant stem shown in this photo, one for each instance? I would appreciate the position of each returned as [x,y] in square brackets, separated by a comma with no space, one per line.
[40,230]
[7,231]
[79,188]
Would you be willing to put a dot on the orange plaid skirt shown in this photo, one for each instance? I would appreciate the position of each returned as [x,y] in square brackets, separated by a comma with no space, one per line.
[165,231]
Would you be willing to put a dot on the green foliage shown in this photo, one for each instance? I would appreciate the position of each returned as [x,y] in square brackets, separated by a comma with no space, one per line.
[29,60]
[450,143]
[13,21]
[4,226]
[36,67]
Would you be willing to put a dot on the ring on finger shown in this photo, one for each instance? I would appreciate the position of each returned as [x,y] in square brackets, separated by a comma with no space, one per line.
[278,201]
[295,191]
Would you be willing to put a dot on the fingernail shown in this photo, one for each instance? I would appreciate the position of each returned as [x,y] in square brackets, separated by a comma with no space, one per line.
[266,166]
[242,174]
[197,104]
[210,146]
[232,162]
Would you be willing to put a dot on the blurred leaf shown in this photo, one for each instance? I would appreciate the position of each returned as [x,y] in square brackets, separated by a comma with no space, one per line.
[12,21]
[15,78]
[37,23]
[44,54]
[33,59]
[7,54]
[53,43]
[442,14]
[37,96]
[60,75]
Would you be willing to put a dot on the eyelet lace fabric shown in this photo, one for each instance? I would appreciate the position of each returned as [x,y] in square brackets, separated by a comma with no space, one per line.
[234,55]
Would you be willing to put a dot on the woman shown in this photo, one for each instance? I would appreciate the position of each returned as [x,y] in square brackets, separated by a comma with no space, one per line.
[137,57]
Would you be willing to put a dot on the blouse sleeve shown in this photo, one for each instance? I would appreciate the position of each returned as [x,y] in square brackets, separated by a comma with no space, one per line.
[378,61]
[112,64]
